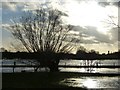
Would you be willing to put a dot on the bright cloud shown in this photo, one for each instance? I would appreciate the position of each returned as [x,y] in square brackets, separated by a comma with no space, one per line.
[85,13]
[90,14]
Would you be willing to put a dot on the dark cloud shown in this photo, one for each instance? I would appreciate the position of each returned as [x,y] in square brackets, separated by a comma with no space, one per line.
[100,37]
[104,4]
[90,31]
[119,34]
[114,34]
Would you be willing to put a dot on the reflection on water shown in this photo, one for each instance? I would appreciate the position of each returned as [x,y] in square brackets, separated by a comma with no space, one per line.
[92,82]
[89,83]
[92,70]
[85,82]
[89,62]
[66,62]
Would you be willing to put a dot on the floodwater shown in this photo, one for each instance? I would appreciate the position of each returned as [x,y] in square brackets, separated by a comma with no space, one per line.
[66,62]
[109,83]
[90,62]
[90,82]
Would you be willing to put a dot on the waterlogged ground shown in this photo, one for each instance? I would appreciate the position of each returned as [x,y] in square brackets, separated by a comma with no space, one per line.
[93,82]
[60,79]
[90,82]
[65,62]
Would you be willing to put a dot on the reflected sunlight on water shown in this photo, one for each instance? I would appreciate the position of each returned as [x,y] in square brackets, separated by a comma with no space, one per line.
[82,81]
[91,70]
[89,83]
[92,82]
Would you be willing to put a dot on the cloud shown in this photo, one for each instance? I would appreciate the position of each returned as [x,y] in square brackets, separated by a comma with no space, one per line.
[21,0]
[90,34]
[114,32]
[31,6]
[19,6]
[82,32]
[104,4]
[98,36]
[9,6]
[28,6]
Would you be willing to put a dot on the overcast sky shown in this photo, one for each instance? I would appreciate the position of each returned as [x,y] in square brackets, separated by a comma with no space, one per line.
[89,18]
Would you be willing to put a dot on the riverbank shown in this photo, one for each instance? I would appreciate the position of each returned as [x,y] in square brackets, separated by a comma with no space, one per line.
[41,79]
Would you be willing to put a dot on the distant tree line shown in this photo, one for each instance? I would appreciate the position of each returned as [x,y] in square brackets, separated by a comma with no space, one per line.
[80,55]
[94,55]
[37,56]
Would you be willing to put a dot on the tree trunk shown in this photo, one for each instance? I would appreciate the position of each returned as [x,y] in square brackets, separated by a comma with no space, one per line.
[36,69]
[53,66]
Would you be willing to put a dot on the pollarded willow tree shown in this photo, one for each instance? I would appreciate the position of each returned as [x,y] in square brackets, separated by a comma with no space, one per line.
[43,31]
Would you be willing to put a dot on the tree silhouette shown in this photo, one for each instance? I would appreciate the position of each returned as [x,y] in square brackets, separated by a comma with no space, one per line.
[112,21]
[43,31]
[2,49]
[81,50]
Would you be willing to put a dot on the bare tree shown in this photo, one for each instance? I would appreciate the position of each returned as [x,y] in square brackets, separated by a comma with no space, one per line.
[43,31]
[111,21]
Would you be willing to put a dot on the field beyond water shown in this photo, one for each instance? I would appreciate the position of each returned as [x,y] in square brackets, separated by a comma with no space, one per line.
[41,79]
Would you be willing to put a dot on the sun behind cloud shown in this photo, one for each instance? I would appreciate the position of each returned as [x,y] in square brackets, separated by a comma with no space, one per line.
[88,14]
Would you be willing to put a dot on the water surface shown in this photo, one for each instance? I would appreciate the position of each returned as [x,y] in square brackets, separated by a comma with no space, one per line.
[109,83]
[90,82]
[66,62]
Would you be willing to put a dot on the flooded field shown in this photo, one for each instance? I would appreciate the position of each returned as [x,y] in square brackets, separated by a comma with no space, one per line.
[90,82]
[111,83]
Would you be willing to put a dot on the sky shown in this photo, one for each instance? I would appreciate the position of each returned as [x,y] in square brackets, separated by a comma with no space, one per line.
[91,19]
